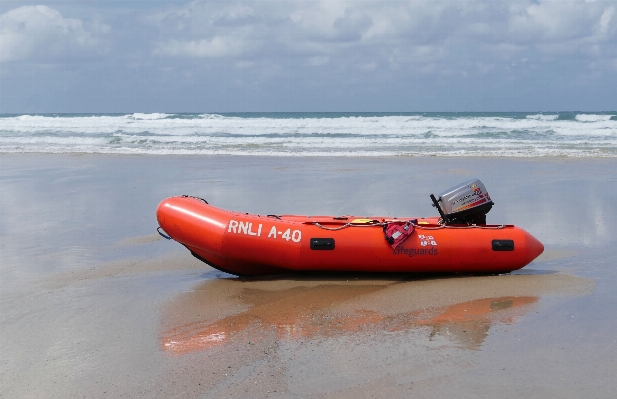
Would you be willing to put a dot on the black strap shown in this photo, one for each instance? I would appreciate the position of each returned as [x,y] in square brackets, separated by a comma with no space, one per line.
[389,240]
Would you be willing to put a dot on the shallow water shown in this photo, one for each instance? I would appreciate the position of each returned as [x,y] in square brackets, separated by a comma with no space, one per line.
[94,304]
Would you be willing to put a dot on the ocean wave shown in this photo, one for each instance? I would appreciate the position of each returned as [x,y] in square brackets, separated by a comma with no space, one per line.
[356,125]
[213,116]
[542,117]
[593,118]
[153,116]
[522,152]
[310,134]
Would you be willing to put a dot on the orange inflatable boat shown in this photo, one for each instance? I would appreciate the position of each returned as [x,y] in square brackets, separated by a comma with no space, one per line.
[459,240]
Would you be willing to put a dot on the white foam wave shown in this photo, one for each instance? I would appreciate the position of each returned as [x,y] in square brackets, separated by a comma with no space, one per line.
[150,116]
[529,152]
[390,125]
[542,117]
[307,136]
[592,117]
[214,116]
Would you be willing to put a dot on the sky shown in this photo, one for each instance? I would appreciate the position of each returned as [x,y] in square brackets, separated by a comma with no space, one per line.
[318,56]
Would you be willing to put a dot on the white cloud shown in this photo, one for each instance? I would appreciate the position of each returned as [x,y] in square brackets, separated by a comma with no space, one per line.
[382,29]
[323,46]
[210,48]
[605,20]
[39,32]
[554,21]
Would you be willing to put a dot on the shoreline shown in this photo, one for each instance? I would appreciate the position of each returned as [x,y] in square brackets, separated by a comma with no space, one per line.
[303,156]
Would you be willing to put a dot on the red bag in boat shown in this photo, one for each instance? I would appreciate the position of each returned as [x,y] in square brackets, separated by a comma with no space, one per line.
[397,232]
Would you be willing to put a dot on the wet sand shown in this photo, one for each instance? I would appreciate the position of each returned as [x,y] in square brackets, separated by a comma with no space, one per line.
[94,304]
[326,306]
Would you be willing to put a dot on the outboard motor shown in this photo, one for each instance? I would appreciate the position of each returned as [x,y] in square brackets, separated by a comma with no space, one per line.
[467,203]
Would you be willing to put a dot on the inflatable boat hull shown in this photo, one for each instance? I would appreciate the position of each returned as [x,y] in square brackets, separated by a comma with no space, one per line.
[246,244]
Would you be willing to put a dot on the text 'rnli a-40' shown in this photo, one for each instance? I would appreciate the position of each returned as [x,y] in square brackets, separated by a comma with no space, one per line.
[459,240]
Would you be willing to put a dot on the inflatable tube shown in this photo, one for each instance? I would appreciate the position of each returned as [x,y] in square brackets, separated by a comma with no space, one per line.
[246,244]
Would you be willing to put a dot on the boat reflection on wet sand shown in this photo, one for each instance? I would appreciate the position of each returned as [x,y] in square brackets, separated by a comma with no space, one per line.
[460,309]
[467,322]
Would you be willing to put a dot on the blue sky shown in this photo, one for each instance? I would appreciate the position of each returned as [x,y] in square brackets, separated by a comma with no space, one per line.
[238,56]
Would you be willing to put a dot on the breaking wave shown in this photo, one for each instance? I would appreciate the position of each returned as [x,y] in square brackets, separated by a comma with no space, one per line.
[315,134]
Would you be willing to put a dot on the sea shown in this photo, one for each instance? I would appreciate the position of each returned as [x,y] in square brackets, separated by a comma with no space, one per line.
[511,134]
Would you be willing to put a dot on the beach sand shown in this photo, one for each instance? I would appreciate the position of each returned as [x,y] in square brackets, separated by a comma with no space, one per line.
[93,303]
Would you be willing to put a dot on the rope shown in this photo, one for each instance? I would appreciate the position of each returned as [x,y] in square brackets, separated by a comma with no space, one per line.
[160,231]
[192,196]
[349,224]
[346,225]
[473,226]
